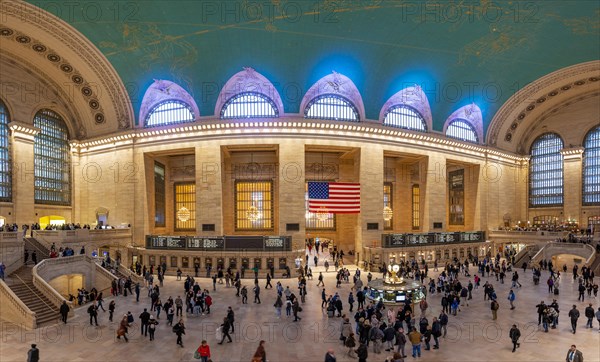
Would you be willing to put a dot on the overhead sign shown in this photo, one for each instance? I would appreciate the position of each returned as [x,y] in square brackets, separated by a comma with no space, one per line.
[402,240]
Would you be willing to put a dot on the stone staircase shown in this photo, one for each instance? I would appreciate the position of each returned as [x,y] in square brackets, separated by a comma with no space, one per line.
[21,283]
[41,250]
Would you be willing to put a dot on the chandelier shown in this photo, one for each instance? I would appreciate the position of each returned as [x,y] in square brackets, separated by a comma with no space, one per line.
[183,214]
[387,213]
[322,216]
[252,213]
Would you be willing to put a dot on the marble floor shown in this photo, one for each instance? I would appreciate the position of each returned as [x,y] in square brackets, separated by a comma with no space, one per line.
[472,335]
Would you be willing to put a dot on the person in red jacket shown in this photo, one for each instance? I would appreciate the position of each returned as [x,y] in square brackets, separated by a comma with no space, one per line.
[204,351]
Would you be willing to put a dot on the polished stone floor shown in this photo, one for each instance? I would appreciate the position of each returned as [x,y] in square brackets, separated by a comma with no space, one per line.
[472,335]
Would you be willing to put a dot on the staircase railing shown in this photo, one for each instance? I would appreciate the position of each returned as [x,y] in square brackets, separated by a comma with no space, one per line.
[53,296]
[21,314]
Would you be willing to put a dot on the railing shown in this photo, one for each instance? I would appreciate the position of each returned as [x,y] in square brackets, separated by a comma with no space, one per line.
[23,315]
[569,248]
[528,234]
[11,236]
[103,271]
[125,271]
[79,236]
[55,298]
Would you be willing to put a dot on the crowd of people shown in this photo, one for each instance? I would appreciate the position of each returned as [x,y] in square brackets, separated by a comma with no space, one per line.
[372,328]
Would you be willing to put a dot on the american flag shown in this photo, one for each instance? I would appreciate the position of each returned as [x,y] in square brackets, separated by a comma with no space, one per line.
[334,197]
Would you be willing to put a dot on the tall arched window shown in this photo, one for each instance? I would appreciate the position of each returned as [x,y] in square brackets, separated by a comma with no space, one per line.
[546,171]
[249,105]
[462,130]
[333,107]
[169,112]
[591,168]
[52,160]
[406,117]
[5,173]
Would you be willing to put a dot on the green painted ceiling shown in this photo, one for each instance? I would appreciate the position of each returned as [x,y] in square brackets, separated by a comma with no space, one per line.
[459,52]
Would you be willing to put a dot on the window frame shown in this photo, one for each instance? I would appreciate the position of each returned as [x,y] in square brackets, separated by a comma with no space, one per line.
[388,192]
[177,204]
[416,207]
[469,127]
[270,202]
[545,169]
[456,198]
[52,160]
[348,103]
[417,116]
[267,101]
[155,109]
[591,172]
[5,155]
[163,204]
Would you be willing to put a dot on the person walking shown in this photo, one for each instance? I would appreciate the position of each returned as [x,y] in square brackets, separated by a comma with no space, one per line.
[152,323]
[362,352]
[261,354]
[330,356]
[589,314]
[203,351]
[179,330]
[296,308]
[225,327]
[93,312]
[574,355]
[574,315]
[111,310]
[320,283]
[278,305]
[144,319]
[33,355]
[123,328]
[256,293]
[514,335]
[64,311]
[511,299]
[230,318]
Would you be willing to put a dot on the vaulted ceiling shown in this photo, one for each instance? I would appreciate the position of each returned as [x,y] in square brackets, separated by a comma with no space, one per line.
[458,52]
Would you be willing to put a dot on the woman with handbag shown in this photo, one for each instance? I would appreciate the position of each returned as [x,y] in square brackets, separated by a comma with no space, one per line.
[203,352]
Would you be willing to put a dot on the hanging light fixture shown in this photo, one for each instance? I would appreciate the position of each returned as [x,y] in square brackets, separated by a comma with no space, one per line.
[388,213]
[183,214]
[252,213]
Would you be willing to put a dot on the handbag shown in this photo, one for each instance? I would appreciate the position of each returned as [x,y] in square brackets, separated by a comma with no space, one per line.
[197,355]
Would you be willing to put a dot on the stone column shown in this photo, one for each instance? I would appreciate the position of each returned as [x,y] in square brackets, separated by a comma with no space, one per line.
[291,190]
[572,168]
[209,188]
[434,193]
[22,139]
[371,196]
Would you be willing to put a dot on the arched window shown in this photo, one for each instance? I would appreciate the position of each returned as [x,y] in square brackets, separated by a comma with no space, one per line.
[52,160]
[169,112]
[333,107]
[5,172]
[462,130]
[591,168]
[546,171]
[406,117]
[249,105]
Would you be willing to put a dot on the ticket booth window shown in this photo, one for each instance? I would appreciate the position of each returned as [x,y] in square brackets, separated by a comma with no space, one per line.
[270,263]
[163,260]
[220,263]
[185,262]
[208,262]
[233,263]
[245,263]
[197,262]
[174,262]
[282,263]
[258,263]
[152,260]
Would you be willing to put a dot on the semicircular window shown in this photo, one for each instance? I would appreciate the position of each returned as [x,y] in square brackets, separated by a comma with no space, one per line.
[591,168]
[169,112]
[332,107]
[461,130]
[249,105]
[405,117]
